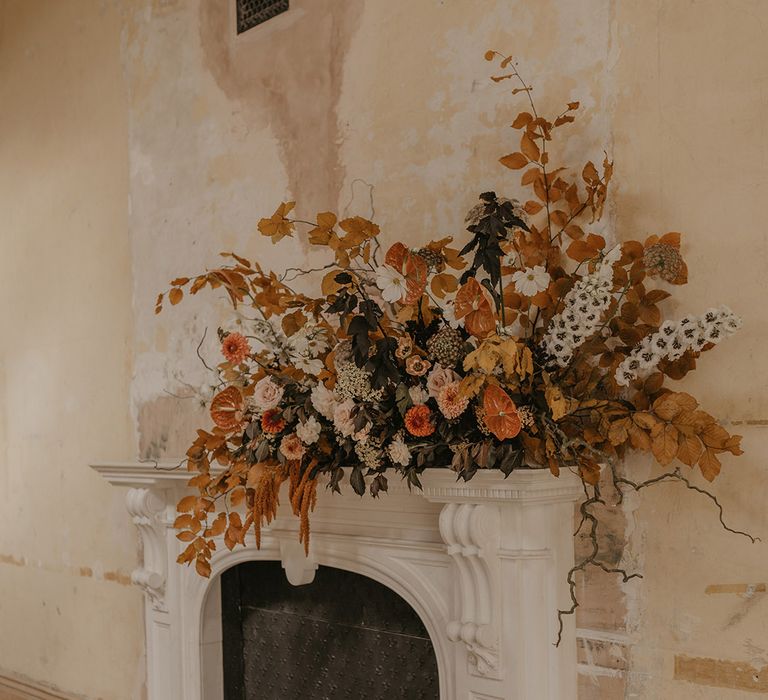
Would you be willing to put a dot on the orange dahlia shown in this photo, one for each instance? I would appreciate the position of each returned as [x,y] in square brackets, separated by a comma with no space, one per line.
[235,348]
[418,421]
[272,421]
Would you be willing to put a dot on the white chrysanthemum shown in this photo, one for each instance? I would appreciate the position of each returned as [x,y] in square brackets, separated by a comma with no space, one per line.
[342,417]
[531,281]
[418,394]
[309,431]
[391,283]
[323,401]
[399,453]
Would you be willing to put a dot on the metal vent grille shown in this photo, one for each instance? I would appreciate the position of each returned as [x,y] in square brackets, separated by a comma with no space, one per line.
[253,12]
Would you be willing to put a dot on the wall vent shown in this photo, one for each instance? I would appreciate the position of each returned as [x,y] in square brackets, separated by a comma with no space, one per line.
[253,12]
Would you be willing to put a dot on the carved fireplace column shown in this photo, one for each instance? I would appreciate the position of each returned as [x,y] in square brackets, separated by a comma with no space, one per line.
[511,545]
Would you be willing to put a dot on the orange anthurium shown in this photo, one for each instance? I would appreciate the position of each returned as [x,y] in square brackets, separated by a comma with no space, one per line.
[227,408]
[410,266]
[500,413]
[473,305]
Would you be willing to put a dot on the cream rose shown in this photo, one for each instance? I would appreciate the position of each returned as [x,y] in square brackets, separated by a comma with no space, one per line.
[266,394]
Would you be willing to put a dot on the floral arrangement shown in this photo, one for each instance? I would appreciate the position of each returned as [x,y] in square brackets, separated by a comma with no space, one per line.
[530,342]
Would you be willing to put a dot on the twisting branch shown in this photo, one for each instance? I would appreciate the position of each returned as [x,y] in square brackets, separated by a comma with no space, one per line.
[156,465]
[197,350]
[675,475]
[591,559]
[588,517]
[300,272]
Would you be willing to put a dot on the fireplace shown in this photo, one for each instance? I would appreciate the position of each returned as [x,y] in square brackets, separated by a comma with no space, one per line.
[481,564]
[341,636]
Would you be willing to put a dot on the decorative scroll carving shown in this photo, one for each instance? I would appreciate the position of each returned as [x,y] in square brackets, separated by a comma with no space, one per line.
[470,531]
[145,507]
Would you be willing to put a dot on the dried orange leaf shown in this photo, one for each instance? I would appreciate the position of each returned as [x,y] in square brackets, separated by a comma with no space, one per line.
[514,161]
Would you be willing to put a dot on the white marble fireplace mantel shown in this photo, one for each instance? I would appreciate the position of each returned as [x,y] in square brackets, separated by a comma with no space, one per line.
[483,564]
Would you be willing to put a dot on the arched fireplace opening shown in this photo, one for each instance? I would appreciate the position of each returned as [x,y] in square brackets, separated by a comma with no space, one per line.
[342,636]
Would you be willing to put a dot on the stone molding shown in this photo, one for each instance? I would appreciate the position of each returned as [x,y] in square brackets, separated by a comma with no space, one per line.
[483,563]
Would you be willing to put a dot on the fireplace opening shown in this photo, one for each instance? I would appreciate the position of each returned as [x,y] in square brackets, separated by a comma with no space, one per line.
[342,636]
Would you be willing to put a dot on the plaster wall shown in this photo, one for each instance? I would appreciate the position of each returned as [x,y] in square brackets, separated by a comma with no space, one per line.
[385,109]
[69,617]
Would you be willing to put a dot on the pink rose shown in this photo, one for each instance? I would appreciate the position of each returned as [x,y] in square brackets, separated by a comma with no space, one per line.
[439,378]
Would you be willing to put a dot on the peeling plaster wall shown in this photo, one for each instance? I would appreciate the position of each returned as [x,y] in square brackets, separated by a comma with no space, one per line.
[379,108]
[68,615]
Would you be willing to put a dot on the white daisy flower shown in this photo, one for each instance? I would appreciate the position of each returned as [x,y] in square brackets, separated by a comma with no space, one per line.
[531,281]
[391,283]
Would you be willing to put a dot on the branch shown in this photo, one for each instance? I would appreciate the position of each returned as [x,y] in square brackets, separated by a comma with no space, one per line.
[675,475]
[592,559]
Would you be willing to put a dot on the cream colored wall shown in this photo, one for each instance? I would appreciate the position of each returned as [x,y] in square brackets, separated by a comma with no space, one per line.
[320,104]
[691,87]
[68,616]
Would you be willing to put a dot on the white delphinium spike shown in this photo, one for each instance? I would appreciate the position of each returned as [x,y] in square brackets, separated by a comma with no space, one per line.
[675,337]
[584,306]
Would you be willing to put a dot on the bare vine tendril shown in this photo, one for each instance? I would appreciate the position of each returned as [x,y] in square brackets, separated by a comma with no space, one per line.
[593,497]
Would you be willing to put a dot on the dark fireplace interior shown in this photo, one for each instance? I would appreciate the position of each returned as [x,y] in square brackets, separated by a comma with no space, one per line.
[342,636]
